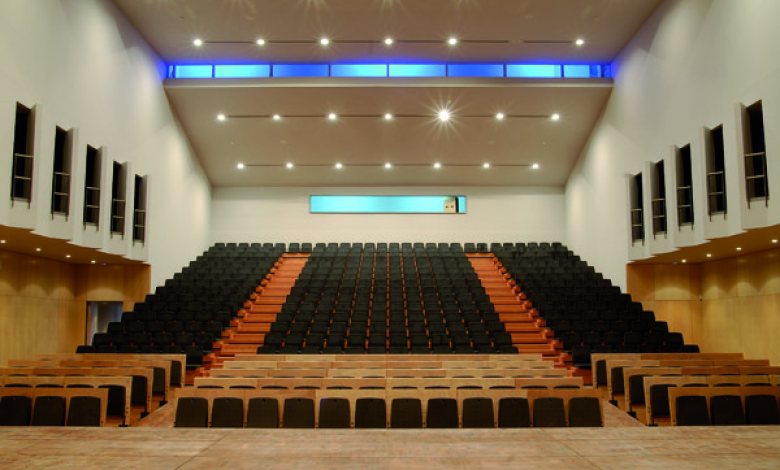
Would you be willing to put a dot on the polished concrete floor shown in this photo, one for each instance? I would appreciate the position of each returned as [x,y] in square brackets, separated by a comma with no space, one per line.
[606,448]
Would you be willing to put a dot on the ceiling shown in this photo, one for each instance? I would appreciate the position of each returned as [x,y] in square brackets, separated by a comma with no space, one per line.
[489,30]
[29,243]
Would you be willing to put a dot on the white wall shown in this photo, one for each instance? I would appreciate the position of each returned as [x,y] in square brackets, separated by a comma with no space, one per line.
[282,215]
[689,66]
[83,66]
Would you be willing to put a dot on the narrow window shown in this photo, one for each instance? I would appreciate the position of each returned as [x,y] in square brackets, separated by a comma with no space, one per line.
[139,209]
[60,182]
[716,171]
[22,171]
[92,187]
[637,209]
[684,186]
[118,199]
[756,181]
[659,199]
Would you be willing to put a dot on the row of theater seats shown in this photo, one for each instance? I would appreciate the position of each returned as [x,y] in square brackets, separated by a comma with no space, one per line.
[726,406]
[587,313]
[372,412]
[189,312]
[367,299]
[49,410]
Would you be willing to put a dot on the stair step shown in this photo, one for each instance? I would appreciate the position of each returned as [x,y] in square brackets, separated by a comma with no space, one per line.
[253,327]
[518,338]
[260,318]
[244,338]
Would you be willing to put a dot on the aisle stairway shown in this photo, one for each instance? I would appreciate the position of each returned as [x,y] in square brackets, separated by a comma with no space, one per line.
[246,332]
[521,320]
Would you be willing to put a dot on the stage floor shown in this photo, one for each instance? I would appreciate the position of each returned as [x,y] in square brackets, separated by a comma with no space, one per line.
[607,448]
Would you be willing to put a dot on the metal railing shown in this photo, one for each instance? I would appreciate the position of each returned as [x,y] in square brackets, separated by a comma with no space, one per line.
[637,225]
[118,216]
[21,178]
[91,205]
[684,206]
[659,216]
[139,225]
[716,193]
[756,183]
[60,194]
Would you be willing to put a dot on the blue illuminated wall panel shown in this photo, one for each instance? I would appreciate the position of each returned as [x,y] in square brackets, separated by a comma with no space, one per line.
[242,71]
[358,70]
[418,70]
[387,204]
[533,71]
[475,70]
[300,70]
[193,71]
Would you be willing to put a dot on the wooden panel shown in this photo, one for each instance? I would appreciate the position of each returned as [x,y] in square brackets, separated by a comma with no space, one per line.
[43,301]
[728,305]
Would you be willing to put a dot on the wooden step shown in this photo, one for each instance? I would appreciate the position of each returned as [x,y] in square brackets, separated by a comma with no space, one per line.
[233,349]
[518,338]
[243,327]
[244,338]
[260,309]
[259,318]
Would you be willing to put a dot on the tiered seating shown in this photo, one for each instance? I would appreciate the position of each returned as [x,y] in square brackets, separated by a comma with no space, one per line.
[21,406]
[247,332]
[724,406]
[190,311]
[520,319]
[646,384]
[389,391]
[133,383]
[396,298]
[587,313]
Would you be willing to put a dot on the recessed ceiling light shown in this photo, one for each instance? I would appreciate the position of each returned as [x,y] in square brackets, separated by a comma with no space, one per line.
[324,41]
[240,165]
[2,242]
[260,42]
[444,115]
[500,116]
[774,240]
[452,41]
[197,42]
[38,250]
[339,165]
[221,117]
[289,165]
[332,116]
[437,165]
[276,117]
[709,255]
[67,256]
[684,260]
[388,117]
[389,41]
[555,117]
[579,42]
[93,261]
[739,248]
[486,165]
[388,165]
[534,166]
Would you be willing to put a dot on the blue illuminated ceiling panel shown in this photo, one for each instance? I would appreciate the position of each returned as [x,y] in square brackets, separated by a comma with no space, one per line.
[392,70]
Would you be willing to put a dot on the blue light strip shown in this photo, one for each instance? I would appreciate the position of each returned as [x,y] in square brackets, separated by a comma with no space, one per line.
[557,71]
[354,204]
